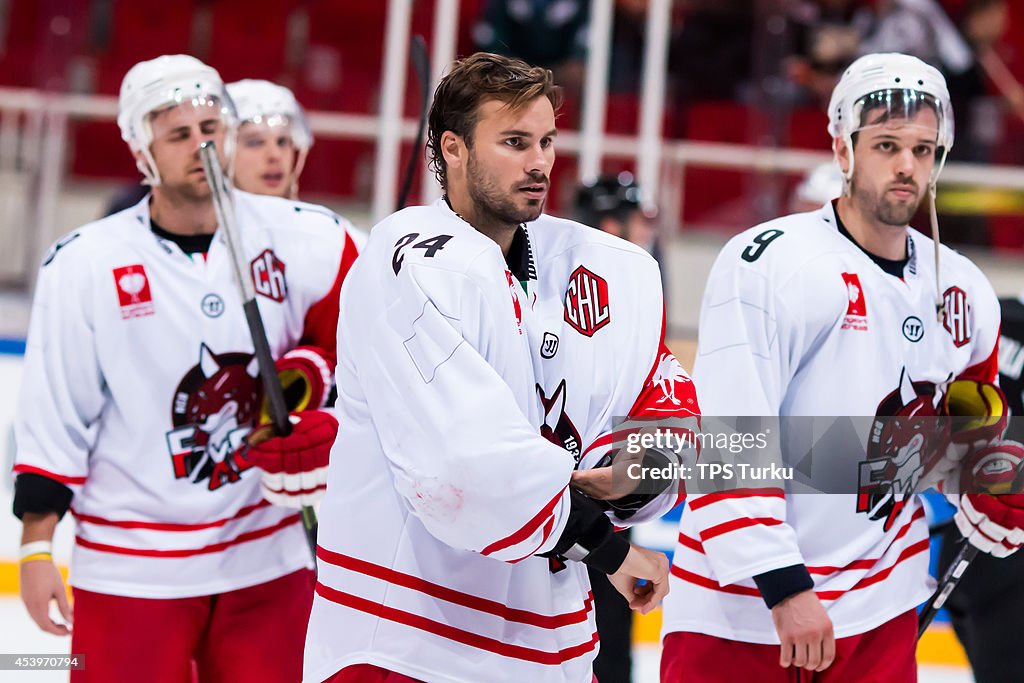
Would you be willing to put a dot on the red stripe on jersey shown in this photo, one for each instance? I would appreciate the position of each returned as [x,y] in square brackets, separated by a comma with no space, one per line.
[710,498]
[320,327]
[691,543]
[736,525]
[908,552]
[528,529]
[189,552]
[455,634]
[29,469]
[705,582]
[869,564]
[711,584]
[166,526]
[988,369]
[434,590]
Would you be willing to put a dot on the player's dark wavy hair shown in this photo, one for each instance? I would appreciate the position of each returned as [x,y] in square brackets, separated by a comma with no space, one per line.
[471,82]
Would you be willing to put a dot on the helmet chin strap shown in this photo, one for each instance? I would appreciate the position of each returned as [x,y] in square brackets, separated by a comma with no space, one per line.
[940,301]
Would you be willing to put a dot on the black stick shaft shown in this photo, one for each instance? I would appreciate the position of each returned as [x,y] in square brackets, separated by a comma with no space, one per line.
[950,580]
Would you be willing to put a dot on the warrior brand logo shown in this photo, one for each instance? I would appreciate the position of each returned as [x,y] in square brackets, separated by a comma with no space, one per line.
[268,276]
[212,305]
[557,427]
[133,291]
[586,302]
[549,345]
[913,328]
[909,434]
[516,306]
[856,306]
[214,406]
[957,319]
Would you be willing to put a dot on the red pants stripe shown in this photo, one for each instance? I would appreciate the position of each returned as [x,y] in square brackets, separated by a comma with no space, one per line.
[250,635]
[885,654]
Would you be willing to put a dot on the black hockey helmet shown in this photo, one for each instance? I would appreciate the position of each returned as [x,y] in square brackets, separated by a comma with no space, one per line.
[610,196]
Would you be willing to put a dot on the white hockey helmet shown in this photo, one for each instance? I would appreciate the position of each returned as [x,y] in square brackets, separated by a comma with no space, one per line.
[158,83]
[272,104]
[900,83]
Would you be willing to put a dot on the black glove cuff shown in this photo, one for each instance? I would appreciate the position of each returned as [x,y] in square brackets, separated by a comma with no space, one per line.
[589,537]
[36,493]
[779,584]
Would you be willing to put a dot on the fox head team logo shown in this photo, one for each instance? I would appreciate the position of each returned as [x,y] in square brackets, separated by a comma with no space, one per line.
[856,306]
[667,373]
[516,306]
[910,432]
[557,427]
[268,276]
[214,406]
[586,302]
[957,318]
[133,294]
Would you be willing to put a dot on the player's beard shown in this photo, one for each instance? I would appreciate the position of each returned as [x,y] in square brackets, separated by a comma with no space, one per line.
[883,209]
[493,203]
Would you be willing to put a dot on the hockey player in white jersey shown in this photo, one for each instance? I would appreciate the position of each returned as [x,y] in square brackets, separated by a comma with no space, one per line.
[140,383]
[493,347]
[834,312]
[273,138]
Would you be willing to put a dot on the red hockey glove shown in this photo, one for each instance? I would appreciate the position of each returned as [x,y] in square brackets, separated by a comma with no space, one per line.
[294,466]
[305,374]
[993,522]
[979,417]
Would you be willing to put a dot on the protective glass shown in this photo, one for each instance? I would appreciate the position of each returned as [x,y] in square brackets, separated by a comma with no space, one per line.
[897,108]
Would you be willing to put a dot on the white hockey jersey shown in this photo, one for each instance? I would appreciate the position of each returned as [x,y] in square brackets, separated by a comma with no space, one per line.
[441,488]
[798,321]
[140,382]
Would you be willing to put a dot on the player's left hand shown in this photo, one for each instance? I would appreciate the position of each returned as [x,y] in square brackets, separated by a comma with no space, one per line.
[294,466]
[609,482]
[993,522]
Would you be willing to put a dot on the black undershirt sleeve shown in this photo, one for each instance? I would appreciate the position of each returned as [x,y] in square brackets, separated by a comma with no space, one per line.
[36,493]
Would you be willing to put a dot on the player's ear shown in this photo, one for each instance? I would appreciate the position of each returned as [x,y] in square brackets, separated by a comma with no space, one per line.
[454,149]
[842,153]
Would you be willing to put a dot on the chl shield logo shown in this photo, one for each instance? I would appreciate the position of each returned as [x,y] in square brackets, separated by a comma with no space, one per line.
[268,276]
[214,406]
[586,302]
[957,319]
[133,292]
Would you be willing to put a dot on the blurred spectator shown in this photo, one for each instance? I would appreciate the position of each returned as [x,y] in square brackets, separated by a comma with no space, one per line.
[548,33]
[718,32]
[920,28]
[823,184]
[827,38]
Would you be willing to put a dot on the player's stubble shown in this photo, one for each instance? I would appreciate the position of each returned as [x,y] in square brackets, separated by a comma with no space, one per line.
[886,211]
[502,205]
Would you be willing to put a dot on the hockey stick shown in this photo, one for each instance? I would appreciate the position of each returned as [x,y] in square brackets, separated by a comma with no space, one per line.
[949,582]
[421,63]
[964,556]
[268,372]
